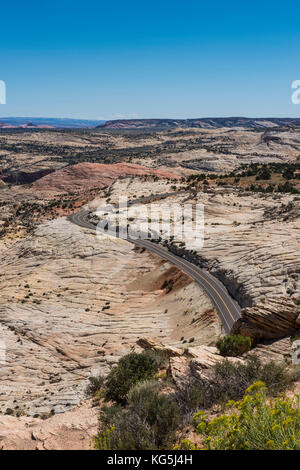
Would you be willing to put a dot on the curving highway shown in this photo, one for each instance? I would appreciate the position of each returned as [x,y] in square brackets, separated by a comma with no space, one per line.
[227,308]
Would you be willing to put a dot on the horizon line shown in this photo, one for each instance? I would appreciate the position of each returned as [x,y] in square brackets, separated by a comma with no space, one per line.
[148,118]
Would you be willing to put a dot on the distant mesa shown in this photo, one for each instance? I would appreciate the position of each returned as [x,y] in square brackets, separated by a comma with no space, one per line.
[29,125]
[204,123]
[47,123]
[4,125]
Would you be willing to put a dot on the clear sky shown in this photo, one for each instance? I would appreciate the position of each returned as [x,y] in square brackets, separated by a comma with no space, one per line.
[179,59]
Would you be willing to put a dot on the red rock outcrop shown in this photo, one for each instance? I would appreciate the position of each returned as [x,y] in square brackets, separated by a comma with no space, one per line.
[93,175]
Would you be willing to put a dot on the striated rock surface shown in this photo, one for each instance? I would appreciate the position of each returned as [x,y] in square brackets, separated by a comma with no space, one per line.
[275,318]
[72,304]
[273,350]
[254,255]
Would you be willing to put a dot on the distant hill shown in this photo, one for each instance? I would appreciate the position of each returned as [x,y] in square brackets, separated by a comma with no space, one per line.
[48,123]
[205,123]
[83,176]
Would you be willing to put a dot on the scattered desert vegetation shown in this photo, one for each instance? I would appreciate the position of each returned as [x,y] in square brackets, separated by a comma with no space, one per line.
[141,408]
[253,177]
[234,345]
[70,305]
[253,423]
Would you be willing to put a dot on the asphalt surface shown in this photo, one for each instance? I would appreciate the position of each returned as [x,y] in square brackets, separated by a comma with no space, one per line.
[228,309]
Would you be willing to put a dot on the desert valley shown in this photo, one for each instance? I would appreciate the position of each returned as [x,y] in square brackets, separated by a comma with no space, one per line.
[73,303]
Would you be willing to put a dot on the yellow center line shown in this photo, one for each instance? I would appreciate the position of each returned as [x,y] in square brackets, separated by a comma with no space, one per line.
[213,289]
[196,272]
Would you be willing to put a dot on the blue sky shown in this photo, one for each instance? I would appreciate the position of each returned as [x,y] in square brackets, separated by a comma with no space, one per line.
[108,60]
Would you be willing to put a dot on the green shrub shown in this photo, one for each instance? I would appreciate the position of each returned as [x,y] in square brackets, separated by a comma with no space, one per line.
[234,345]
[149,421]
[109,414]
[128,433]
[130,370]
[160,359]
[255,423]
[233,379]
[192,396]
[159,410]
[94,385]
[229,381]
[168,285]
[276,377]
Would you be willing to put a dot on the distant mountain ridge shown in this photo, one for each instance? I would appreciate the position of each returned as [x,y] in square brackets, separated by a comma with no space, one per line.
[205,123]
[164,123]
[47,123]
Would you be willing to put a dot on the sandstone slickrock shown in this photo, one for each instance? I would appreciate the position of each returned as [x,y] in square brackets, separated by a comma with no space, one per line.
[275,318]
[256,257]
[72,430]
[273,350]
[147,343]
[190,362]
[72,304]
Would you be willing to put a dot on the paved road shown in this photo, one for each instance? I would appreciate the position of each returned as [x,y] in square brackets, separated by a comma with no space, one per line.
[227,308]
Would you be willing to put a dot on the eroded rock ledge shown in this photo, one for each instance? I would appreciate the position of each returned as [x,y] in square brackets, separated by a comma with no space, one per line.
[274,318]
